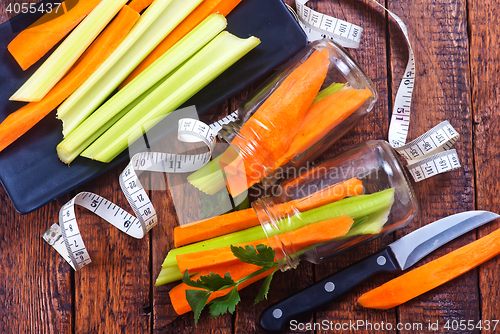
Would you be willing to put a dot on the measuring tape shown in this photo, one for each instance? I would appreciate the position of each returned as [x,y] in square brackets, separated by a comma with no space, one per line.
[431,153]
[434,161]
[427,156]
[65,236]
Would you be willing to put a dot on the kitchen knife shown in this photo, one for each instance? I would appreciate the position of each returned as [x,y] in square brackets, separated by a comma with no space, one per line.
[397,256]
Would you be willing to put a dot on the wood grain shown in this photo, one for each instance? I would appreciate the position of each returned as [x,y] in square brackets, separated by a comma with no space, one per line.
[438,33]
[456,47]
[485,66]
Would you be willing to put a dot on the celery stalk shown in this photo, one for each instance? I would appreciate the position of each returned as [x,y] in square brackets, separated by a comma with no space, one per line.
[213,59]
[63,148]
[159,19]
[372,225]
[63,58]
[333,88]
[355,207]
[92,127]
[209,178]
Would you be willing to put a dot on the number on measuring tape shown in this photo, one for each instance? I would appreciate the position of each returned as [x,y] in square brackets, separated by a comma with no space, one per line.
[431,153]
[65,237]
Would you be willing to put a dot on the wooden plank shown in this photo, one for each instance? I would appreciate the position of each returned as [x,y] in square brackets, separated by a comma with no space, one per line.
[112,294]
[179,202]
[439,38]
[372,58]
[485,65]
[35,281]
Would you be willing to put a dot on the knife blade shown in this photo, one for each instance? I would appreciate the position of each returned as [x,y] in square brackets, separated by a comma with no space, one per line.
[397,256]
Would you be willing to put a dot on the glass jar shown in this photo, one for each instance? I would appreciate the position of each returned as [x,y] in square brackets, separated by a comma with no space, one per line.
[357,196]
[311,102]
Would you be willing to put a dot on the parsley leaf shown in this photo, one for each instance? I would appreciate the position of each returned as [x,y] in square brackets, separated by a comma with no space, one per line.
[264,289]
[262,255]
[212,282]
[197,300]
[221,305]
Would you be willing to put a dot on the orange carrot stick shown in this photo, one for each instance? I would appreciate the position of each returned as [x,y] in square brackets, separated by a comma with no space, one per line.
[267,134]
[201,12]
[35,41]
[324,116]
[139,5]
[240,220]
[237,271]
[20,121]
[432,274]
[292,241]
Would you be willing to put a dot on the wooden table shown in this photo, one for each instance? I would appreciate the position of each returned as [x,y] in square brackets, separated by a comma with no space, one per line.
[458,63]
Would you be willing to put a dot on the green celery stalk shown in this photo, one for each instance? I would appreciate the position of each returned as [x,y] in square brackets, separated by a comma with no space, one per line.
[92,127]
[67,156]
[159,19]
[356,207]
[210,178]
[333,88]
[213,59]
[372,224]
[63,58]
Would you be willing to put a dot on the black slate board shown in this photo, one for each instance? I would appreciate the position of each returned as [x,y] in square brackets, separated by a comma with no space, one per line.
[30,171]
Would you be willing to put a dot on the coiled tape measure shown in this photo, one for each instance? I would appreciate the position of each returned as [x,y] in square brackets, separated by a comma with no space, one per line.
[428,155]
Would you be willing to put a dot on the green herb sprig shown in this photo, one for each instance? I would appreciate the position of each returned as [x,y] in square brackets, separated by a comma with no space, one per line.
[262,256]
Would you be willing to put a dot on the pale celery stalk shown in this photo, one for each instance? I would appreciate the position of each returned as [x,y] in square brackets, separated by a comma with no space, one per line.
[333,88]
[213,59]
[92,127]
[159,19]
[210,178]
[372,224]
[61,60]
[66,156]
[355,207]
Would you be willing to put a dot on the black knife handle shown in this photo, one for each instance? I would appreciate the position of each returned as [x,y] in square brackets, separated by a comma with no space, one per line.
[275,317]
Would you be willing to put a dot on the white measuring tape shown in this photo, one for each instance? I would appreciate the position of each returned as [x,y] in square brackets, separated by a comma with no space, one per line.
[434,161]
[65,237]
[431,153]
[427,156]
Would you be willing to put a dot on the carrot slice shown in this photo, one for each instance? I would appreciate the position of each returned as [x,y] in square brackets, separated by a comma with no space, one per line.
[322,117]
[35,41]
[268,132]
[139,5]
[290,241]
[20,121]
[240,220]
[237,271]
[432,274]
[201,12]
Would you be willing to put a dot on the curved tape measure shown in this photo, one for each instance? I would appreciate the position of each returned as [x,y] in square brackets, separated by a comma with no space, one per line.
[427,156]
[318,26]
[65,237]
[431,153]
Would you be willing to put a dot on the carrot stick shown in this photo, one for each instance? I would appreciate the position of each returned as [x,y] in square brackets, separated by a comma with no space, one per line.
[139,5]
[292,240]
[237,271]
[201,12]
[240,220]
[20,121]
[324,116]
[35,41]
[269,131]
[432,274]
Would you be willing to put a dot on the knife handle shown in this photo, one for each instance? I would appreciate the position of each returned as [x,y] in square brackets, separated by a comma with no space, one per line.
[275,317]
